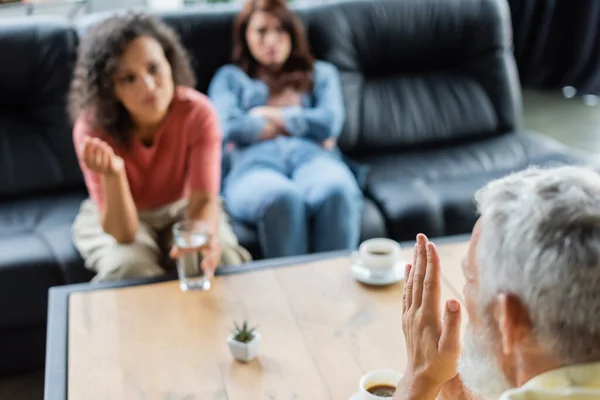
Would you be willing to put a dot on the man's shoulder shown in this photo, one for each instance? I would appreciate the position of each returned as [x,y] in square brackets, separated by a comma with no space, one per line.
[572,382]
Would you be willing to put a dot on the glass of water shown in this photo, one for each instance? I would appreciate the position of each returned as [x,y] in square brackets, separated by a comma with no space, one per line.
[191,234]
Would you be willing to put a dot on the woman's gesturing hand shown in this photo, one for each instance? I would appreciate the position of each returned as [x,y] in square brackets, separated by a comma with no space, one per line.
[99,157]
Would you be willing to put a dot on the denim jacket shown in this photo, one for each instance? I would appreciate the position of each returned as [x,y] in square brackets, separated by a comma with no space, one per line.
[234,94]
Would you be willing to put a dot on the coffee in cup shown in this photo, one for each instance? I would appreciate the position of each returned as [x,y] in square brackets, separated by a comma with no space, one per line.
[378,384]
[380,252]
[382,390]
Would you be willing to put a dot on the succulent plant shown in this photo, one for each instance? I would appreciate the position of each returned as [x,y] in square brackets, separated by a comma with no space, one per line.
[243,333]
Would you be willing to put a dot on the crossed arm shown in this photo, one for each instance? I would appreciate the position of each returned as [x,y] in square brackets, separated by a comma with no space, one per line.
[321,122]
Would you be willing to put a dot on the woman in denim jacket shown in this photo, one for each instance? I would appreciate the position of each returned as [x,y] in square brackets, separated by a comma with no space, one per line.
[281,113]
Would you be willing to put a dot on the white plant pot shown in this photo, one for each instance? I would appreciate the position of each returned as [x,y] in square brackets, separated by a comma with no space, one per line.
[244,352]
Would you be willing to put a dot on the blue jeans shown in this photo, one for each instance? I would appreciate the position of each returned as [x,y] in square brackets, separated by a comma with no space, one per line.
[300,197]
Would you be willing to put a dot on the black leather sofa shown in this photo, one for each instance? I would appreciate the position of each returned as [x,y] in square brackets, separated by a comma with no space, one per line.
[434,111]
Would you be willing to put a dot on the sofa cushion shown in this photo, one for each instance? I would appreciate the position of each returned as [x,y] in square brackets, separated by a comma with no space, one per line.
[36,148]
[36,253]
[431,191]
[373,224]
[247,237]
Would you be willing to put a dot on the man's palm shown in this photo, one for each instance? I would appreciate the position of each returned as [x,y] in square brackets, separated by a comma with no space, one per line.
[433,346]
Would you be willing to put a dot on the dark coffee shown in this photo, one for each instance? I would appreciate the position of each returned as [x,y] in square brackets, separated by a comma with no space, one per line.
[382,390]
[379,252]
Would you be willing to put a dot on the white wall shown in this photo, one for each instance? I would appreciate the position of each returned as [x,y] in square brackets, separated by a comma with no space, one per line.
[165,4]
[103,5]
[14,10]
[55,8]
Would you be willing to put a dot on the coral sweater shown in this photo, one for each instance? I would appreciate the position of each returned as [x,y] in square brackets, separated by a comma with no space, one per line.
[184,157]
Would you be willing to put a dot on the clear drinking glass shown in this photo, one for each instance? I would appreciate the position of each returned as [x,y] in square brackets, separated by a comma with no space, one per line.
[188,234]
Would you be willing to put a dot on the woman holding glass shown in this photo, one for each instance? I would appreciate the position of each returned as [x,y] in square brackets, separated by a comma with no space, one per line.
[149,147]
[281,113]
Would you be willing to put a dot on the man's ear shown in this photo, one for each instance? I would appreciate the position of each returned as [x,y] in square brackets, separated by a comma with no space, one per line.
[514,323]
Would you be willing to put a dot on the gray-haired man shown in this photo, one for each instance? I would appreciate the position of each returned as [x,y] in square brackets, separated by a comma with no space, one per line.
[532,297]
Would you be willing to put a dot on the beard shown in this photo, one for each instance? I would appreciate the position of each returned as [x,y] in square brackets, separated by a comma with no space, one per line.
[479,368]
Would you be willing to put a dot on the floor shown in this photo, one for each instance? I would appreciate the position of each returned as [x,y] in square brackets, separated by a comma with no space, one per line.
[28,386]
[570,121]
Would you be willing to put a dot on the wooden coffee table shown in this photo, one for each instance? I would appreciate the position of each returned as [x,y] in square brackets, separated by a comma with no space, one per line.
[321,331]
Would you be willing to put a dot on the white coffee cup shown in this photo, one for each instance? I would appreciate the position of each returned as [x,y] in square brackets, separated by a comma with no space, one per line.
[379,254]
[380,377]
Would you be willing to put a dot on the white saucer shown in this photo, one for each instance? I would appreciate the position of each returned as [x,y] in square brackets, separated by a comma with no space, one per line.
[388,277]
[355,396]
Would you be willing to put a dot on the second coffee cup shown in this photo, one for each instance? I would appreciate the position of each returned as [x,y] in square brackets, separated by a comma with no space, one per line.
[379,254]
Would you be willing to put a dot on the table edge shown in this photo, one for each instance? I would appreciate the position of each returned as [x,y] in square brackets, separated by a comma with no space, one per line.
[56,370]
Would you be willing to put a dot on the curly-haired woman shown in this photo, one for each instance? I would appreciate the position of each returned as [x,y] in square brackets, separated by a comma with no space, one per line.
[149,146]
[281,113]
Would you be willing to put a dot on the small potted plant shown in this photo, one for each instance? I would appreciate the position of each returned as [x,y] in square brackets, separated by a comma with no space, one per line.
[244,342]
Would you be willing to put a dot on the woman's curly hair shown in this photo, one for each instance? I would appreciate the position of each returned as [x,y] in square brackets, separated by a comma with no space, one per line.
[92,88]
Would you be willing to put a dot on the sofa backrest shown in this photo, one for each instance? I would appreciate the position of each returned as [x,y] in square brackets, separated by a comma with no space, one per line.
[414,72]
[420,72]
[36,149]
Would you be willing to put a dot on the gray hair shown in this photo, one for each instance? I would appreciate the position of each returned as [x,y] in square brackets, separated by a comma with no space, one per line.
[540,241]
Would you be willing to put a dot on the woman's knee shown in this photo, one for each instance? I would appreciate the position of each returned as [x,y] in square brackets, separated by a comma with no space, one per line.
[282,226]
[127,261]
[338,194]
[286,202]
